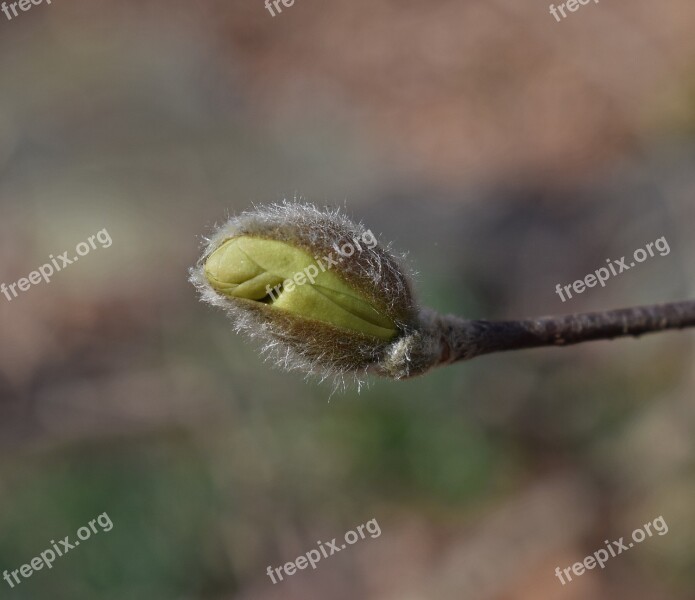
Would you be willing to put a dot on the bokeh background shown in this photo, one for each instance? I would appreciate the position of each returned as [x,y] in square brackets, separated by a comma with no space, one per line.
[504,151]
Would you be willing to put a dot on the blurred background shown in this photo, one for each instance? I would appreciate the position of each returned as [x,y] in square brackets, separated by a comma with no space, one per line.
[504,151]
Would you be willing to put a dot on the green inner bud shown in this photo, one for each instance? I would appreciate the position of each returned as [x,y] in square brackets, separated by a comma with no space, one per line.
[288,278]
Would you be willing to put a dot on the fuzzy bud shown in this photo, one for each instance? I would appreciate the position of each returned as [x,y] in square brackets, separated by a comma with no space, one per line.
[318,291]
[287,278]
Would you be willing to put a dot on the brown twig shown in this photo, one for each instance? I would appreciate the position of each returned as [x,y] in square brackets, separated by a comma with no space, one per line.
[465,339]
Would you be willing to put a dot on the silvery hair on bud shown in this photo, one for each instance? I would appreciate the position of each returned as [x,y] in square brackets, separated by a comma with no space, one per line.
[314,347]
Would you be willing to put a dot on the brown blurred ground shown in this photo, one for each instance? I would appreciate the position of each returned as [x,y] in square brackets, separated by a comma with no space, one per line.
[463,90]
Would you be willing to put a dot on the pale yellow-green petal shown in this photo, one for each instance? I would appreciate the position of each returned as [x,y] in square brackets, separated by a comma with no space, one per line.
[308,301]
[356,306]
[248,267]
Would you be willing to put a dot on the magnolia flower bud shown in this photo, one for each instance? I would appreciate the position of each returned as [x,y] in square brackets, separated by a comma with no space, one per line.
[287,278]
[324,297]
[318,290]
